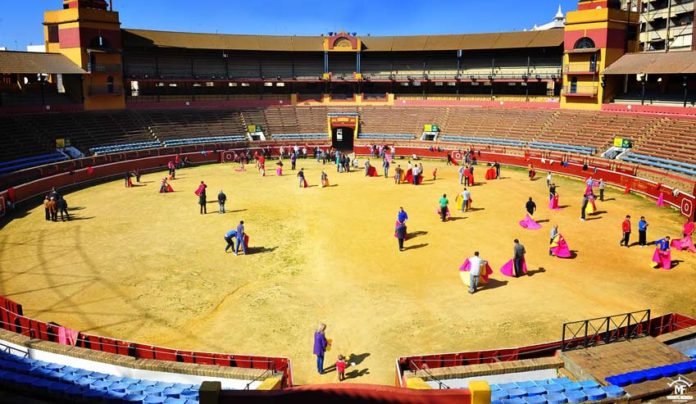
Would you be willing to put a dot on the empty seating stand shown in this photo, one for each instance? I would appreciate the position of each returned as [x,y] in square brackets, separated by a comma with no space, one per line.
[203,140]
[386,136]
[483,140]
[119,148]
[559,390]
[69,384]
[299,136]
[640,376]
[562,147]
[667,164]
[18,164]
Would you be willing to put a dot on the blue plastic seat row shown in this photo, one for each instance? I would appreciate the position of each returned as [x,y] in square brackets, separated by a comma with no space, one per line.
[125,147]
[39,160]
[483,140]
[672,165]
[576,396]
[639,376]
[401,136]
[207,139]
[562,147]
[72,383]
[33,159]
[298,136]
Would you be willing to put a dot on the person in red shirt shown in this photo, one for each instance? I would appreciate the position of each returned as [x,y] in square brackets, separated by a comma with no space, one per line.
[626,229]
[341,366]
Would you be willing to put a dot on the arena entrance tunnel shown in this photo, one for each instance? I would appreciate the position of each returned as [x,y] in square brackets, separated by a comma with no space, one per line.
[342,138]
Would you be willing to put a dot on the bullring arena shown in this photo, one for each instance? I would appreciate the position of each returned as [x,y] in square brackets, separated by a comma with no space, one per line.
[136,297]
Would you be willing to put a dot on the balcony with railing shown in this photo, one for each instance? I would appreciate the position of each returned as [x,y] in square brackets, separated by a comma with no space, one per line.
[585,90]
[578,69]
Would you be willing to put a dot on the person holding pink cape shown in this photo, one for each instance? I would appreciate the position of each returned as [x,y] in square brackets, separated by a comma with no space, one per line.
[662,258]
[686,242]
[517,266]
[478,270]
[553,203]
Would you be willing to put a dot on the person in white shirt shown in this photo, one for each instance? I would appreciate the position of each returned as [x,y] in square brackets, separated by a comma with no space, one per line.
[466,195]
[548,179]
[474,272]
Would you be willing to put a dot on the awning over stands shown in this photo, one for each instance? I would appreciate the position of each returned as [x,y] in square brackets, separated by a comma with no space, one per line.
[36,63]
[654,63]
[185,40]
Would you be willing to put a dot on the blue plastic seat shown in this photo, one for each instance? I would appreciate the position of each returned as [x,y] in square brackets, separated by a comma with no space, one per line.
[572,386]
[669,370]
[154,390]
[100,384]
[153,400]
[589,384]
[576,396]
[554,388]
[172,400]
[535,391]
[516,400]
[556,398]
[595,394]
[499,395]
[639,376]
[514,393]
[173,391]
[134,398]
[619,380]
[189,393]
[684,367]
[613,391]
[525,384]
[653,374]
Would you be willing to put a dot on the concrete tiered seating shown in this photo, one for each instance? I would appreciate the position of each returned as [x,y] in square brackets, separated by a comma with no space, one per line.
[386,136]
[202,140]
[66,383]
[667,164]
[483,140]
[560,390]
[299,136]
[118,148]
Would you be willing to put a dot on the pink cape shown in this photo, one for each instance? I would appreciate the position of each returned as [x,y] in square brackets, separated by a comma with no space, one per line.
[689,228]
[439,212]
[553,203]
[279,171]
[685,243]
[484,275]
[169,188]
[372,171]
[397,225]
[409,176]
[305,184]
[529,223]
[561,250]
[199,190]
[662,259]
[661,199]
[509,268]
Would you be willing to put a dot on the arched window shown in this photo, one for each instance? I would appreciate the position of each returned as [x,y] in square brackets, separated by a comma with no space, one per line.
[110,84]
[584,43]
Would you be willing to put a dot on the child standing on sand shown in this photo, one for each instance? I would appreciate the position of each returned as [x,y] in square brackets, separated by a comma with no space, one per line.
[341,366]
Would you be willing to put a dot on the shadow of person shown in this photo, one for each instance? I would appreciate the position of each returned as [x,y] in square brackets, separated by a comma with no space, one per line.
[353,374]
[543,221]
[417,234]
[260,250]
[675,263]
[492,284]
[540,270]
[357,358]
[573,254]
[417,246]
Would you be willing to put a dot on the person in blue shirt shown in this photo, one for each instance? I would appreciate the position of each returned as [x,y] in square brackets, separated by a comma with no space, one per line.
[663,244]
[402,216]
[642,231]
[229,238]
[240,238]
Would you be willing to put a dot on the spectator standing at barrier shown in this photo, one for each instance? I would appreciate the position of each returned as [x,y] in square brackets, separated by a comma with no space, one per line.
[626,230]
[642,231]
[518,258]
[320,345]
[229,238]
[530,206]
[222,198]
[62,207]
[241,238]
[474,272]
[601,189]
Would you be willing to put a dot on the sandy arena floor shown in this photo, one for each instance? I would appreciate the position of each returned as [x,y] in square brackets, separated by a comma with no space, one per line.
[147,267]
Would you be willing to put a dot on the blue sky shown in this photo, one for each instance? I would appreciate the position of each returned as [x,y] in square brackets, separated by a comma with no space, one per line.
[20,21]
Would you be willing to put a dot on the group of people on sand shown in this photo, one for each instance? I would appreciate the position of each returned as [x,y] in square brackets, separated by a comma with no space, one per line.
[323,344]
[55,204]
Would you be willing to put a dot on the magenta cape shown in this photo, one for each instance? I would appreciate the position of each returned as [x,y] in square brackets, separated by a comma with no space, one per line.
[685,243]
[662,259]
[561,250]
[279,171]
[397,225]
[553,203]
[409,176]
[689,228]
[509,268]
[529,223]
[439,212]
[200,189]
[661,199]
[466,266]
[372,171]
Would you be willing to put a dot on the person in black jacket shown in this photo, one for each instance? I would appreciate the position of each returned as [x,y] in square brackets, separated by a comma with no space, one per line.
[222,198]
[62,207]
